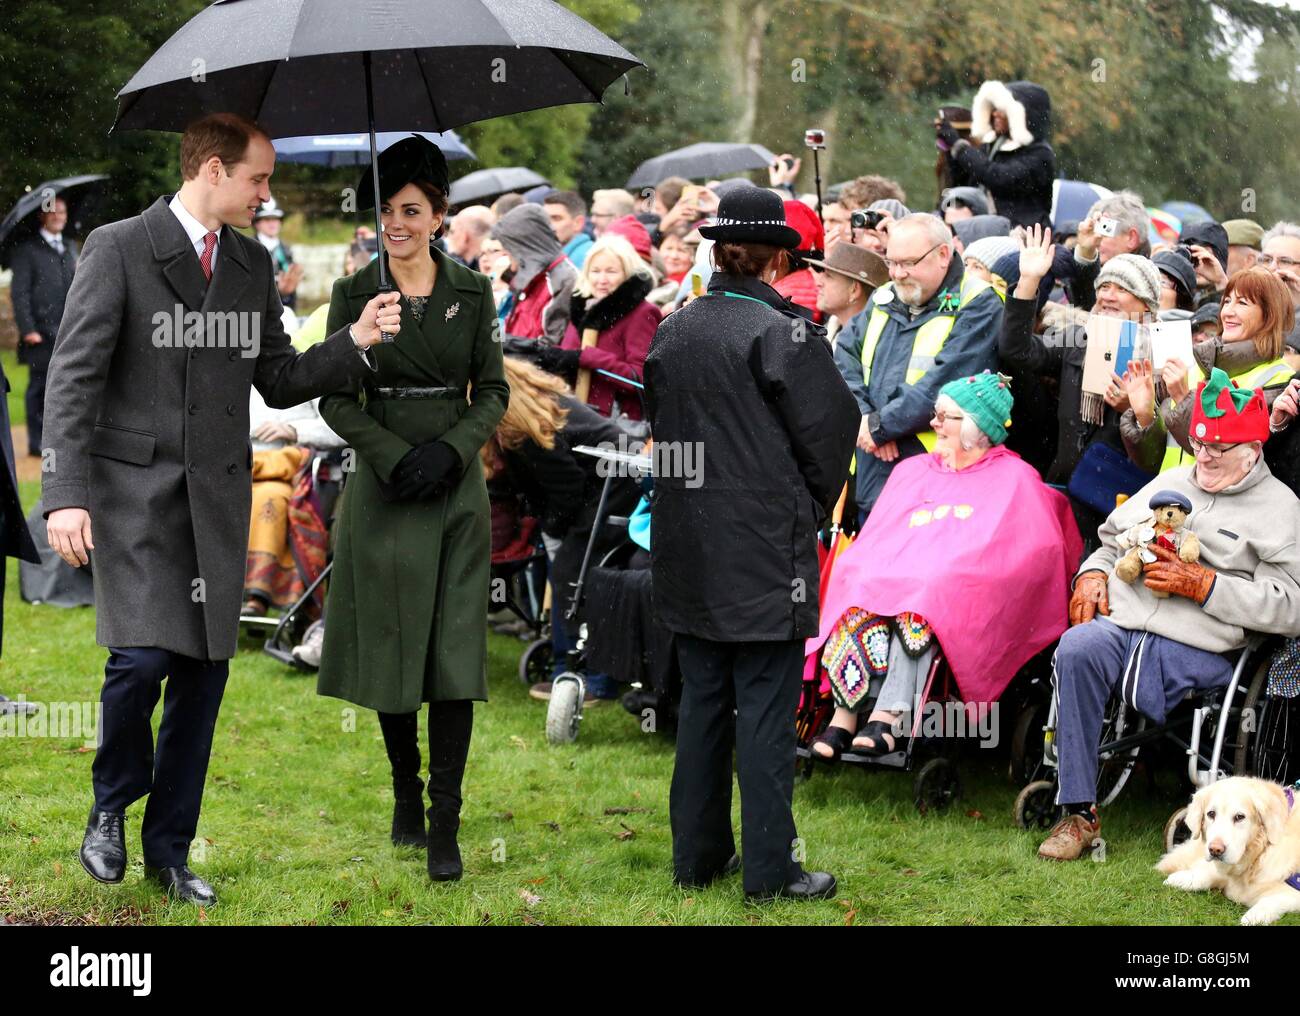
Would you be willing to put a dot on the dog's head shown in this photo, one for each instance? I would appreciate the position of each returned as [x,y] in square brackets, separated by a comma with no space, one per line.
[1237,818]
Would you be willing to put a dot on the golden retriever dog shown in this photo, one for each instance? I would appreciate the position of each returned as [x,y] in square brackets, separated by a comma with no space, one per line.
[1245,842]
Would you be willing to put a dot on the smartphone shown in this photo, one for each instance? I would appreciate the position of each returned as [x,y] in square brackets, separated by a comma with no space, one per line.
[814,137]
[697,284]
[1107,226]
[691,193]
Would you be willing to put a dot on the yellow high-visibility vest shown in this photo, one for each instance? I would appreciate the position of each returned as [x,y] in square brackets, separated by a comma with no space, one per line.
[1254,377]
[929,339]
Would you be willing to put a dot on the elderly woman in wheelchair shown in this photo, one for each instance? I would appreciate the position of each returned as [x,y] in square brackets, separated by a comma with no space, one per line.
[965,548]
[1166,634]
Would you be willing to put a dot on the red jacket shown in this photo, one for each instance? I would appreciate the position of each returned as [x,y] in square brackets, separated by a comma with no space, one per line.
[800,287]
[627,323]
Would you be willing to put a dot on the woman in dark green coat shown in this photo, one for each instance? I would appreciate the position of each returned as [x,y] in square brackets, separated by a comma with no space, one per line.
[407,610]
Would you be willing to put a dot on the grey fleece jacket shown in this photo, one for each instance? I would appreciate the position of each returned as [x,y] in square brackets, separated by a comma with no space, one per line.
[1249,534]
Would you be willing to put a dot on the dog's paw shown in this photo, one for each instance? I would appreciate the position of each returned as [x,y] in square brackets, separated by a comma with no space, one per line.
[1184,880]
[1261,913]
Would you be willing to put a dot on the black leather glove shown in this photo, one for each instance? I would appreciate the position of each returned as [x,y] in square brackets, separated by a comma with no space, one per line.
[557,360]
[947,134]
[423,471]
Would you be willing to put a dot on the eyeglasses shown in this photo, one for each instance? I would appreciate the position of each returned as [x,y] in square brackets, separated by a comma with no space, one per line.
[908,264]
[1212,451]
[940,417]
[1276,261]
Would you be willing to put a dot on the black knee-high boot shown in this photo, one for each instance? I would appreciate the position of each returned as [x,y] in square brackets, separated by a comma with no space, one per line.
[450,725]
[402,740]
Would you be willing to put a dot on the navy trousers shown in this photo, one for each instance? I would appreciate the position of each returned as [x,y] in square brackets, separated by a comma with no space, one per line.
[127,766]
[1099,659]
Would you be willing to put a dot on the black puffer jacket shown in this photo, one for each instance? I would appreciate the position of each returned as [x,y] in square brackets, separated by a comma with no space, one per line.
[754,430]
[1017,170]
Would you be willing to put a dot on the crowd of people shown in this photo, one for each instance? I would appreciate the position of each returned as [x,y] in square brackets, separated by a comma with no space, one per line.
[992,400]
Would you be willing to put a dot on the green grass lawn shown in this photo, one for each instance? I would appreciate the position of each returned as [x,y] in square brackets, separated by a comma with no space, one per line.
[295,821]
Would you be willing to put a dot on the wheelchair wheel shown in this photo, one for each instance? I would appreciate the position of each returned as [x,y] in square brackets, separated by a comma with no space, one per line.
[1036,806]
[1176,830]
[1114,768]
[1265,742]
[936,786]
[564,710]
[1027,744]
[536,662]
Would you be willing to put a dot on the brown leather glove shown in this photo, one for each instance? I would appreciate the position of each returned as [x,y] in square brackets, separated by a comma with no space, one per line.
[1089,597]
[1181,578]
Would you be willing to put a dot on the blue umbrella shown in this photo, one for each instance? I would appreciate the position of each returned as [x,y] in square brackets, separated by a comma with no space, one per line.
[1188,212]
[1071,199]
[354,149]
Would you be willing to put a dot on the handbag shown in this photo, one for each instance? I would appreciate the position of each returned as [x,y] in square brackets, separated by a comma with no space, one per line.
[1102,473]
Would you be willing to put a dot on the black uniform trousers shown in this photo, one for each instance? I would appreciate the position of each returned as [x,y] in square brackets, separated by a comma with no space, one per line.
[127,766]
[34,403]
[760,681]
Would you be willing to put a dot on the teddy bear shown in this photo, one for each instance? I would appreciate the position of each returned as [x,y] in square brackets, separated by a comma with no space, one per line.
[1169,511]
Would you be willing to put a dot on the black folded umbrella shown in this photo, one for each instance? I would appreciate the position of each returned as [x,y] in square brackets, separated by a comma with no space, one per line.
[302,67]
[703,161]
[20,223]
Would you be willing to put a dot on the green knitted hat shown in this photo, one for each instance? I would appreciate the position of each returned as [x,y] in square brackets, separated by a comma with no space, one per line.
[986,398]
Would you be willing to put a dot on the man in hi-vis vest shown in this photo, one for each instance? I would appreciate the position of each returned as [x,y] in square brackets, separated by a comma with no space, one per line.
[931,324]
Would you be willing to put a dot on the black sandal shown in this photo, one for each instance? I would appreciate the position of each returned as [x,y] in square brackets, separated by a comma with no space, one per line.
[876,730]
[837,739]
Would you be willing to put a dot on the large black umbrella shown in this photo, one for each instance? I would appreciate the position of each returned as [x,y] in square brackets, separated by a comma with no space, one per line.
[701,162]
[492,183]
[21,221]
[302,67]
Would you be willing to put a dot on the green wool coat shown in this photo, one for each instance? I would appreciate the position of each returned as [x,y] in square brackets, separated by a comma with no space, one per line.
[406,618]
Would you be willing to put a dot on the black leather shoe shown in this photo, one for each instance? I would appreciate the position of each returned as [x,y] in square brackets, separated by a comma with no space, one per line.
[103,849]
[183,884]
[444,853]
[810,885]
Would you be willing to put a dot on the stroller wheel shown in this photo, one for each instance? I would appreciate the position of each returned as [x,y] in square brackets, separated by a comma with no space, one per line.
[535,663]
[564,710]
[1036,806]
[1176,830]
[936,786]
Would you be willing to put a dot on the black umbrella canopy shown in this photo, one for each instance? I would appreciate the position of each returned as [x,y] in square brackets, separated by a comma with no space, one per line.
[20,223]
[296,66]
[491,183]
[701,161]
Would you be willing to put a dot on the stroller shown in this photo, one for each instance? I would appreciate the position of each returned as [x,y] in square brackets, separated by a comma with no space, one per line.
[568,690]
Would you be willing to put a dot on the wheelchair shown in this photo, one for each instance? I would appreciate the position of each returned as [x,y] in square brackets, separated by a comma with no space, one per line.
[1234,730]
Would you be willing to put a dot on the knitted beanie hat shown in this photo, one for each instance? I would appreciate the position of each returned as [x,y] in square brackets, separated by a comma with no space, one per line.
[1136,274]
[986,398]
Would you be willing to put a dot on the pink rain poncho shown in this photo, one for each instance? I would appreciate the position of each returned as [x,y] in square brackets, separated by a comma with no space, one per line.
[985,554]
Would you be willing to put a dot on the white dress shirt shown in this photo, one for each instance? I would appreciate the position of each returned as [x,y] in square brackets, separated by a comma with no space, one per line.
[194,229]
[55,240]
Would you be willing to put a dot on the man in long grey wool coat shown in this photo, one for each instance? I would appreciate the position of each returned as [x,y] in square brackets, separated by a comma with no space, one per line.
[170,319]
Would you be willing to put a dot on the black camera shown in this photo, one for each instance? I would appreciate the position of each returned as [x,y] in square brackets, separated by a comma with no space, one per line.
[865,220]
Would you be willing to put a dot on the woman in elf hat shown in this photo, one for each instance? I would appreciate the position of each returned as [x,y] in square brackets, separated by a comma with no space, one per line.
[966,548]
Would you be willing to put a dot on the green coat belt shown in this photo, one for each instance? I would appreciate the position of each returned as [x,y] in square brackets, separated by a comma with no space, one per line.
[406,617]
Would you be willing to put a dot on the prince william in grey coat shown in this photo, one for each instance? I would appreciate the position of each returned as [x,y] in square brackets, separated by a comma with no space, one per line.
[172,316]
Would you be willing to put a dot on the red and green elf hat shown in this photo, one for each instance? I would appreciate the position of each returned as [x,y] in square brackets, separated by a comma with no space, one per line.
[1222,413]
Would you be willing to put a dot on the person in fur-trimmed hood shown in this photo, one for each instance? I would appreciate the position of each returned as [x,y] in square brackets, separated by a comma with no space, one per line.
[610,296]
[1014,162]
